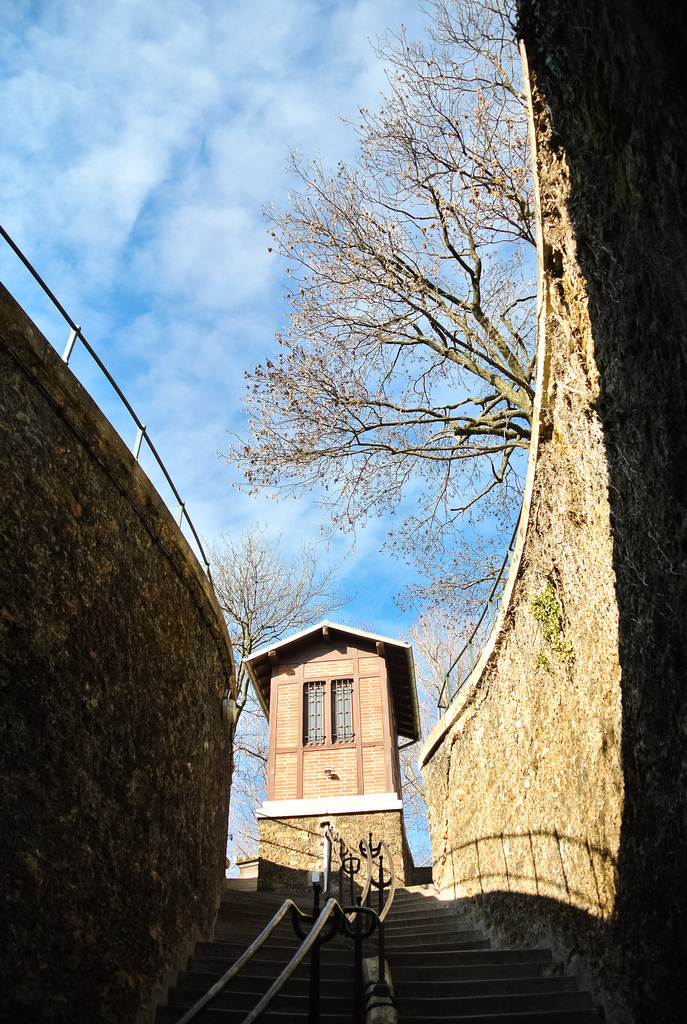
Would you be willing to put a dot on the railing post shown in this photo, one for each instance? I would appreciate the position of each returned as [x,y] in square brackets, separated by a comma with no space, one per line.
[471,655]
[381,988]
[314,997]
[327,865]
[73,335]
[137,443]
[180,512]
[381,884]
[492,613]
[447,683]
[358,991]
[341,872]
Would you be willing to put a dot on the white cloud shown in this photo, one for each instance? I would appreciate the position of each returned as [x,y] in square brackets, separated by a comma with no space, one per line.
[140,139]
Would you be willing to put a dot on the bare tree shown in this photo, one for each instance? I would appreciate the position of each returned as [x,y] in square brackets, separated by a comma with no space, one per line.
[408,361]
[263,595]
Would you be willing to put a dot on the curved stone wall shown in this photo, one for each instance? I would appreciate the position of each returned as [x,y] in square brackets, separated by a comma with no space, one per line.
[556,784]
[113,755]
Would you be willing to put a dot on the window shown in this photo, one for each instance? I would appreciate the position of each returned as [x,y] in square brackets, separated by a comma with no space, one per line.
[314,712]
[342,717]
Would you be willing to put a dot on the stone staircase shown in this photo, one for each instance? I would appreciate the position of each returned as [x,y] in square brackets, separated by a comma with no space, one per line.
[242,916]
[442,969]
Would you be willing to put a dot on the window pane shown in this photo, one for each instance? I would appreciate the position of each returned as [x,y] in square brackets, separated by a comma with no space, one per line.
[314,712]
[342,716]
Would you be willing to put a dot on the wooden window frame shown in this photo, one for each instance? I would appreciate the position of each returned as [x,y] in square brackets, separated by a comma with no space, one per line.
[329,715]
[347,692]
[315,686]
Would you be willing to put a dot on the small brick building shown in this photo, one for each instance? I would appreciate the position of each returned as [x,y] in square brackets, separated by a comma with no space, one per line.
[338,700]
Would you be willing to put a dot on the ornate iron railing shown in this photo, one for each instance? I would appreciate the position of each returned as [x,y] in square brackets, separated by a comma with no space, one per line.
[356,921]
[141,432]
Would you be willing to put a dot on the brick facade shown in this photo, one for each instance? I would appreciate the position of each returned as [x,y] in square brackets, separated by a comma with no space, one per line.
[334,697]
[363,765]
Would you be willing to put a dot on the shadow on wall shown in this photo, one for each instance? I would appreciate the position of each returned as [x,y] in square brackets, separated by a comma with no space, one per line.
[622,132]
[541,863]
[114,759]
[296,849]
[577,751]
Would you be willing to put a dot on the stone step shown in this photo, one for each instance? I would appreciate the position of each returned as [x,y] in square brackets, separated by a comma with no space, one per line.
[480,972]
[171,1014]
[270,949]
[485,1005]
[400,931]
[285,1002]
[298,983]
[431,941]
[338,968]
[403,941]
[454,988]
[190,986]
[413,917]
[426,919]
[588,1016]
[459,958]
[208,971]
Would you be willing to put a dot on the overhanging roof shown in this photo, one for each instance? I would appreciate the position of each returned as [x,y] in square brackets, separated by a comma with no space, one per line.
[398,656]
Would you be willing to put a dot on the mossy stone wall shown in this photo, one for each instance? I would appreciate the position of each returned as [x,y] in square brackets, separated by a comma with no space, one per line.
[557,792]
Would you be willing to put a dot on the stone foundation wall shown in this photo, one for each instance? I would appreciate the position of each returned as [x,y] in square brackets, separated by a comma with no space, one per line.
[291,847]
[114,760]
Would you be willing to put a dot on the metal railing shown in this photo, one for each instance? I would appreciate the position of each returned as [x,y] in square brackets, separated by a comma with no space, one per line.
[355,921]
[350,865]
[448,692]
[141,433]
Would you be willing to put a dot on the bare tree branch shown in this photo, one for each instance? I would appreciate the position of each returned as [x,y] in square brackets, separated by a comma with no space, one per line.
[409,352]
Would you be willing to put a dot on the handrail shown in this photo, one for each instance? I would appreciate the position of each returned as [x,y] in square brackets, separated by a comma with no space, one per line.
[334,838]
[330,907]
[347,920]
[240,963]
[141,435]
[371,851]
[392,885]
[366,850]
[488,607]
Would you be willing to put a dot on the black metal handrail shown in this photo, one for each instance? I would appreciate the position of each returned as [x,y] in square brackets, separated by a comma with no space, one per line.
[347,860]
[240,963]
[469,647]
[349,864]
[342,919]
[330,908]
[141,434]
[380,884]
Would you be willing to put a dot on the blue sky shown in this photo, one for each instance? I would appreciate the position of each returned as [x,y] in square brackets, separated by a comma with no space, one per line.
[140,139]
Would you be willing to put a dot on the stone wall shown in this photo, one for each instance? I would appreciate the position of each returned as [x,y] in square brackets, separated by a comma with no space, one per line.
[557,784]
[291,847]
[114,761]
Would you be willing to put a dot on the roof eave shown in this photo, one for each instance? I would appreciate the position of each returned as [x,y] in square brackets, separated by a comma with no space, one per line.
[403,644]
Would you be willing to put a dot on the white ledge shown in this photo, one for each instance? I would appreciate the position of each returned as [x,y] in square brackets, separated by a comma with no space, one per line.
[317,806]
